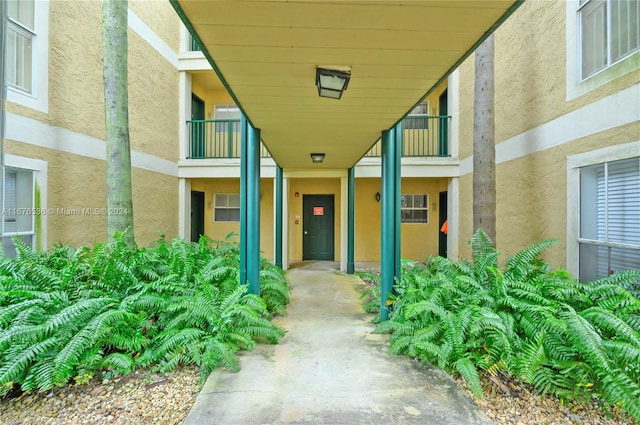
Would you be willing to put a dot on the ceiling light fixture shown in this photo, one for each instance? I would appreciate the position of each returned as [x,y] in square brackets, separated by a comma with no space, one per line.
[332,81]
[317,158]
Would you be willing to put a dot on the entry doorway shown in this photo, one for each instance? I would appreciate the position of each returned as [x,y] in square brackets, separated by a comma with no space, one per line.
[197,128]
[318,227]
[442,240]
[197,215]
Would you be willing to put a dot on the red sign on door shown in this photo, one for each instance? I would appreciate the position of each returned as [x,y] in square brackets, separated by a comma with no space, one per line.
[318,210]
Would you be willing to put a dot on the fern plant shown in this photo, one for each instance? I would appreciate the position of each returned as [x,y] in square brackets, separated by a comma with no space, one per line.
[71,313]
[564,337]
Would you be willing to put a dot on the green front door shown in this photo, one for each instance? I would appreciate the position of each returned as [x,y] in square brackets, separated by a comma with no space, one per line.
[317,227]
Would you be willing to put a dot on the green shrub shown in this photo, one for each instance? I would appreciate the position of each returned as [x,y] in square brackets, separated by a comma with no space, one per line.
[72,313]
[564,337]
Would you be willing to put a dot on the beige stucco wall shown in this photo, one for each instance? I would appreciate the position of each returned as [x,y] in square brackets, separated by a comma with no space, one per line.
[161,17]
[532,196]
[77,183]
[218,230]
[76,103]
[530,75]
[531,90]
[76,98]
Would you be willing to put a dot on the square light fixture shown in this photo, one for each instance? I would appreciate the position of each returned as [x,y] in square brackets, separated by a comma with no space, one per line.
[332,81]
[317,158]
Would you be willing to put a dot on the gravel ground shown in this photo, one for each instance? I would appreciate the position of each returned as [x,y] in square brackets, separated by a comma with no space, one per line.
[139,399]
[145,398]
[508,403]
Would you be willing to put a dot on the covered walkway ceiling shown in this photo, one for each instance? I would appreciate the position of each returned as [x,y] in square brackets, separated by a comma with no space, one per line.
[266,53]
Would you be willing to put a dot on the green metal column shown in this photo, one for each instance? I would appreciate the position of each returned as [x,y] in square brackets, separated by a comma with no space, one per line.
[243,200]
[351,221]
[278,226]
[253,209]
[398,141]
[387,263]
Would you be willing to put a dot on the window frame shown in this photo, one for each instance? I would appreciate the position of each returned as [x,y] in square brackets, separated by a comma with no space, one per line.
[413,208]
[575,87]
[227,207]
[417,124]
[608,34]
[38,98]
[574,164]
[230,107]
[22,211]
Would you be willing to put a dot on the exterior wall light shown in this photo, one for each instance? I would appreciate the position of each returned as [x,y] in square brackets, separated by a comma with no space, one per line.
[317,158]
[378,196]
[333,81]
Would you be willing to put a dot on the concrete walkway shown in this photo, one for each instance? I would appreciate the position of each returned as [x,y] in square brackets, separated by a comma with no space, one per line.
[330,369]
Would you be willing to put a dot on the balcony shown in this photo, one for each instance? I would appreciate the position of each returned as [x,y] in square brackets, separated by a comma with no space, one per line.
[423,136]
[216,139]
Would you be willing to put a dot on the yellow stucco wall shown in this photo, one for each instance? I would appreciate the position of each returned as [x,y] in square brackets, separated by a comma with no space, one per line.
[418,240]
[367,219]
[218,230]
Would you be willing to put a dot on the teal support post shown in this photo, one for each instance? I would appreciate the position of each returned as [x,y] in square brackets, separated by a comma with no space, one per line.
[243,200]
[278,225]
[399,144]
[351,221]
[387,263]
[253,209]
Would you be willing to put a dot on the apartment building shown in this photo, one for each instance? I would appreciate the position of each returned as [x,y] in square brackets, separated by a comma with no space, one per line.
[567,108]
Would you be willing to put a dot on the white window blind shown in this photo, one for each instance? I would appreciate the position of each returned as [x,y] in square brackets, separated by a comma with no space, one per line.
[610,218]
[17,209]
[227,207]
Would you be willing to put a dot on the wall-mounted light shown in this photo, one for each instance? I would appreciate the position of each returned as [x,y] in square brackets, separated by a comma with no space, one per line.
[378,196]
[317,158]
[332,81]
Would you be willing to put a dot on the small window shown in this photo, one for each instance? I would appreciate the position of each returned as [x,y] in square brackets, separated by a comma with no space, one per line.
[227,207]
[418,118]
[609,32]
[18,211]
[226,112]
[414,209]
[20,44]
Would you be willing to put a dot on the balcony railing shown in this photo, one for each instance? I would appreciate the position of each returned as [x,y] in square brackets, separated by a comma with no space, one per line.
[422,136]
[216,139]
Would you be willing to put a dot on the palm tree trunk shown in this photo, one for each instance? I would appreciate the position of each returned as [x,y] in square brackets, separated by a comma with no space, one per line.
[484,151]
[119,204]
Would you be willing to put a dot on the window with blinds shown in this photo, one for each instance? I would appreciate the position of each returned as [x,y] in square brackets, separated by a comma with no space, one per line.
[226,207]
[17,209]
[609,218]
